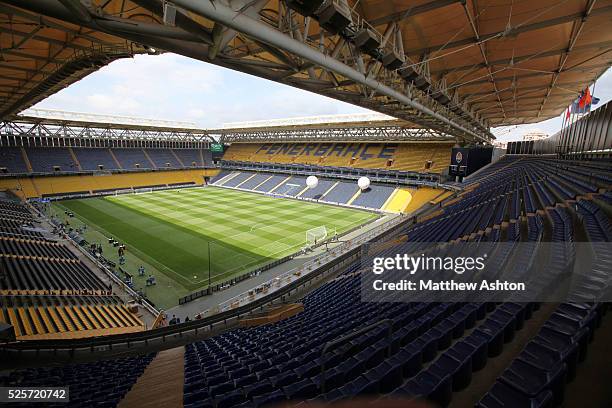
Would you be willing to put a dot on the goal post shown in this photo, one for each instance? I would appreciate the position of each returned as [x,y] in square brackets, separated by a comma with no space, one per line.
[143,190]
[123,191]
[316,235]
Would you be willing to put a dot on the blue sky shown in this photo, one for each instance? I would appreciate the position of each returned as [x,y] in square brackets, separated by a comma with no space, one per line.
[172,87]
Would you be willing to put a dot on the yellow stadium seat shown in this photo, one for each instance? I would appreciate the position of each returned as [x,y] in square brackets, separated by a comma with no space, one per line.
[103,321]
[37,324]
[413,156]
[72,316]
[122,320]
[56,319]
[65,319]
[14,320]
[109,316]
[96,324]
[25,321]
[45,318]
[130,316]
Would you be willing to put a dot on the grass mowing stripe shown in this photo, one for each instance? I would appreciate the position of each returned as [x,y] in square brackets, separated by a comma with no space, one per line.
[299,223]
[184,218]
[111,220]
[188,247]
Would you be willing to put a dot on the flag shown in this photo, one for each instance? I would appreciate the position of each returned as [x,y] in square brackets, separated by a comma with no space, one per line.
[575,107]
[578,109]
[567,114]
[585,98]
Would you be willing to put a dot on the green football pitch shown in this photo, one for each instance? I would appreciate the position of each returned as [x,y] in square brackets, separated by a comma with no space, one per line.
[174,230]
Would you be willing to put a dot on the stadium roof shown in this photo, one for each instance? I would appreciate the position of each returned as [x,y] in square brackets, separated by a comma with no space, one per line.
[323,120]
[39,56]
[331,128]
[62,124]
[466,65]
[59,116]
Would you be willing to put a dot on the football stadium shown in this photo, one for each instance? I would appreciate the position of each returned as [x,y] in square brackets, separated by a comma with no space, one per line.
[411,256]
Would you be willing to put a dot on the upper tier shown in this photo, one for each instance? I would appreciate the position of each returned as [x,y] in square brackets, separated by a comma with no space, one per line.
[76,159]
[418,157]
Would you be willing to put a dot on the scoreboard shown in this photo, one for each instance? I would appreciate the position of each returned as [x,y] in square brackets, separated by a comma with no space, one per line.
[217,151]
[466,160]
[216,147]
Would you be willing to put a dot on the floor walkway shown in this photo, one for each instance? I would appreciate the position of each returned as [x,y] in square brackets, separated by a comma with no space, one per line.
[161,384]
[591,387]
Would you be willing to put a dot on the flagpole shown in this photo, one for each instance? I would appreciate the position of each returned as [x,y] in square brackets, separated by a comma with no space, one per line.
[592,95]
[570,130]
[561,133]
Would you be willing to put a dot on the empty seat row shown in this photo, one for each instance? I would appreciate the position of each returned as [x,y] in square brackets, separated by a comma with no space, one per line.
[74,159]
[58,317]
[100,383]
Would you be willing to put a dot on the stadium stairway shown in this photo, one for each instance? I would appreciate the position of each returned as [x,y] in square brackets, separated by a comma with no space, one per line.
[161,383]
[222,179]
[589,374]
[177,158]
[75,159]
[152,162]
[119,166]
[484,379]
[26,159]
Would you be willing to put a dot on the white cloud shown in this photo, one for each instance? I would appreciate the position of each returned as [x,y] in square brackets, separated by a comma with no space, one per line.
[146,86]
[110,103]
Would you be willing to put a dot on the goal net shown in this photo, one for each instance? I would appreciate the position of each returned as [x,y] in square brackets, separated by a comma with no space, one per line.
[143,190]
[316,235]
[123,191]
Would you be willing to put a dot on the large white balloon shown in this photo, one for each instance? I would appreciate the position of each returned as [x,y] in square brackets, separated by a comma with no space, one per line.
[363,183]
[312,181]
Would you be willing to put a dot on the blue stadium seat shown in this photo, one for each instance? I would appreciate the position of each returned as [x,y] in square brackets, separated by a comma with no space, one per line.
[429,386]
[459,369]
[387,375]
[259,388]
[531,381]
[230,399]
[303,389]
[504,396]
[479,342]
